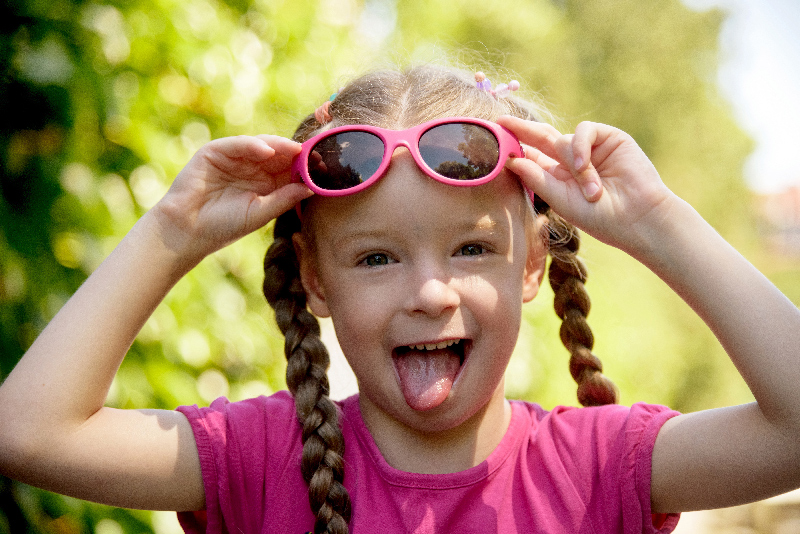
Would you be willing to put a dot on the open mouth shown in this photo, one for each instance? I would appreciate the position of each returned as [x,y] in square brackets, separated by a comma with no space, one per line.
[454,345]
[427,371]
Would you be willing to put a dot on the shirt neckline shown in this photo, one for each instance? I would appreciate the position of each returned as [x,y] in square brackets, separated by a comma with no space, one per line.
[510,442]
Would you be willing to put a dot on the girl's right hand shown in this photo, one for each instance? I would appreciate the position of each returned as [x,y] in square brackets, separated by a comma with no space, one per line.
[231,187]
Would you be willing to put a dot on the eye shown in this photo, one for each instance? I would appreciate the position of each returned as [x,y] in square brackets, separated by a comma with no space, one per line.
[376,260]
[471,250]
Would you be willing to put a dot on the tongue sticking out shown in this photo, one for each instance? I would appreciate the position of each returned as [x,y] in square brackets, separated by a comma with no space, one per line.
[426,376]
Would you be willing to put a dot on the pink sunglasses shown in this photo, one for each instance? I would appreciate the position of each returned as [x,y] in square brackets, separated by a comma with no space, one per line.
[460,151]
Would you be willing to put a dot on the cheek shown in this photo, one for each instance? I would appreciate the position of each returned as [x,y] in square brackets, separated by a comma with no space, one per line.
[356,313]
[498,300]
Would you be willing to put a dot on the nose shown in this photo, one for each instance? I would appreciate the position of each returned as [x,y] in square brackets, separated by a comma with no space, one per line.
[433,296]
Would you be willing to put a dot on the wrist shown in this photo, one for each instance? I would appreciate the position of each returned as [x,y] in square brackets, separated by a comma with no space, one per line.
[668,238]
[176,230]
[166,245]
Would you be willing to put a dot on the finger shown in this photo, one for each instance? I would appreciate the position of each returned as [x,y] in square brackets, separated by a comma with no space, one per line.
[595,141]
[563,196]
[536,134]
[277,164]
[241,147]
[582,143]
[285,150]
[281,145]
[536,179]
[584,174]
[547,163]
[265,208]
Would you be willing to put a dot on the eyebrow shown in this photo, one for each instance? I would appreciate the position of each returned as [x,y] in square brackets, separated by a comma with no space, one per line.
[485,224]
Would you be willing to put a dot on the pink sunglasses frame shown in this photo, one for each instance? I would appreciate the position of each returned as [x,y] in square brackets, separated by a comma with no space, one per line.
[508,146]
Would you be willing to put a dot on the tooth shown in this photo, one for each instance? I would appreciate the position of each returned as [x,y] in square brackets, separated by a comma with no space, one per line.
[434,346]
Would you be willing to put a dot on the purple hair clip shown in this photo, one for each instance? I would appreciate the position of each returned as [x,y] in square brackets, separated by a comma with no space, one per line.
[501,91]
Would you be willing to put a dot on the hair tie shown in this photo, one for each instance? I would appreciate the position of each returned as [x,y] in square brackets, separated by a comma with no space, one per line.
[322,114]
[501,91]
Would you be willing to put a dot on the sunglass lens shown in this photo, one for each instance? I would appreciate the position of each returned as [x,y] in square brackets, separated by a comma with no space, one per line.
[345,160]
[461,151]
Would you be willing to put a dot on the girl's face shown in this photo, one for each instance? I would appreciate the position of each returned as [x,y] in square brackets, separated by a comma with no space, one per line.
[424,283]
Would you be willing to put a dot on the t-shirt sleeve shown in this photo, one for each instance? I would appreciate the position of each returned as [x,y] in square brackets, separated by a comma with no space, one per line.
[628,466]
[232,440]
[607,453]
[643,424]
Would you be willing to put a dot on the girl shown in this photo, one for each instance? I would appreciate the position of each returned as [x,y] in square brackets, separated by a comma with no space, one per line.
[424,281]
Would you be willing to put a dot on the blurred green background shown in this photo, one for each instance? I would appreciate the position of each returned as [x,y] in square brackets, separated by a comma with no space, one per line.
[103,103]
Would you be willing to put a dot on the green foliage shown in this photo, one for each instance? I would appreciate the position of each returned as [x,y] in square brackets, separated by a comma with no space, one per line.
[103,103]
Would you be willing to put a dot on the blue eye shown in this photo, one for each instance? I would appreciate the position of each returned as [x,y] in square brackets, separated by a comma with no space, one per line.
[471,250]
[376,260]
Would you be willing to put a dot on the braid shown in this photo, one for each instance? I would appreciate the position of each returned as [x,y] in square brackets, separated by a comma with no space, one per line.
[307,364]
[567,276]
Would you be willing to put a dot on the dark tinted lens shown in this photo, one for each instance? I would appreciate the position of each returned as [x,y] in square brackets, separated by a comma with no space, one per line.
[460,151]
[344,160]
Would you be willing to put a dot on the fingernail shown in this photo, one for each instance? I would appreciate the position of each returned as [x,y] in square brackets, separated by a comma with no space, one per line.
[578,162]
[590,190]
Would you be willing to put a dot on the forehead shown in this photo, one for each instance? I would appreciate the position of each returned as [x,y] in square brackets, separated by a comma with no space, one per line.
[407,201]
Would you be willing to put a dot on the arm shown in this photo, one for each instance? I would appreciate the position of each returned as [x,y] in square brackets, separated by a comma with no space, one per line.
[713,458]
[54,431]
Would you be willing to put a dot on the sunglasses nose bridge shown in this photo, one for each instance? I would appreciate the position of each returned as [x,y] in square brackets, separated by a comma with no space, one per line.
[398,143]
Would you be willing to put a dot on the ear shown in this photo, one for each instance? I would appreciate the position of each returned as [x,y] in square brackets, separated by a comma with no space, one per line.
[309,275]
[537,256]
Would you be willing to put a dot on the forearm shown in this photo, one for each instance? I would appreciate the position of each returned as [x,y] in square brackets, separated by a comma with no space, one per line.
[756,324]
[65,375]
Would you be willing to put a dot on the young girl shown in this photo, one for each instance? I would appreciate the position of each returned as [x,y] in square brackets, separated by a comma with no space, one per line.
[423,268]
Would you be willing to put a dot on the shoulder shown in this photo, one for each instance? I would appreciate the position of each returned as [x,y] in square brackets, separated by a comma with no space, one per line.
[270,418]
[239,444]
[278,407]
[603,455]
[598,420]
[587,438]
[225,428]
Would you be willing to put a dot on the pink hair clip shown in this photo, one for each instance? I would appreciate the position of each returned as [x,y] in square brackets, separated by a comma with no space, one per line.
[501,91]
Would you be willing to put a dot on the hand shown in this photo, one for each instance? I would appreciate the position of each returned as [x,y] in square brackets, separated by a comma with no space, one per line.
[231,187]
[598,179]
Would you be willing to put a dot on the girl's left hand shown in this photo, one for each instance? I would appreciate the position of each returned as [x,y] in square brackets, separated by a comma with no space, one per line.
[598,179]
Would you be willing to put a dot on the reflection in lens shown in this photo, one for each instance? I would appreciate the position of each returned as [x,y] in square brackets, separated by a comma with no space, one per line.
[345,160]
[460,151]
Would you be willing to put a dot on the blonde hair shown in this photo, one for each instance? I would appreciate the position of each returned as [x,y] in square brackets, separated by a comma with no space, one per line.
[400,99]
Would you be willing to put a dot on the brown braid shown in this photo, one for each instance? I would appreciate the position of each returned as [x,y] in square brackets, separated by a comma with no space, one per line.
[567,276]
[307,364]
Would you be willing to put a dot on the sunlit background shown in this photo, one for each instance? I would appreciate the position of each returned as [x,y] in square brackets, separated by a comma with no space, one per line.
[103,103]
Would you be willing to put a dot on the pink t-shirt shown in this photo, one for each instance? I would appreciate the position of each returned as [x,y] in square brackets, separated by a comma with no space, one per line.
[570,470]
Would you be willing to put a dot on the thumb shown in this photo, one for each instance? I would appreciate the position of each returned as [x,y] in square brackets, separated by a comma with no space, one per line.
[267,207]
[536,180]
